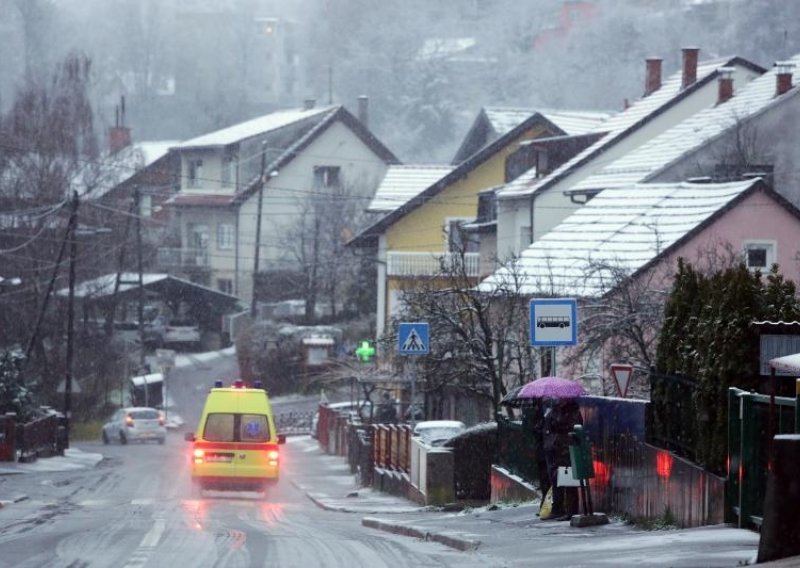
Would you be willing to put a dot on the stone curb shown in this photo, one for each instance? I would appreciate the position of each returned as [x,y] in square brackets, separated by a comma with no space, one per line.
[447,539]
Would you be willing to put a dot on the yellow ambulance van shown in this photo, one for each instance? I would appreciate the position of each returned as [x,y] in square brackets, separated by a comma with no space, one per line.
[235,446]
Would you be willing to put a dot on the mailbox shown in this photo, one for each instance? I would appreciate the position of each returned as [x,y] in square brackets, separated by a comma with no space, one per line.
[580,454]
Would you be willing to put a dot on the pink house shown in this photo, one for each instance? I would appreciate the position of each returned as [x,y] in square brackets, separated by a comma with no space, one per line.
[630,238]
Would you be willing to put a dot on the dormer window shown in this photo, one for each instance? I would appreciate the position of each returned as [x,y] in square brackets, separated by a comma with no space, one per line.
[195,172]
[759,255]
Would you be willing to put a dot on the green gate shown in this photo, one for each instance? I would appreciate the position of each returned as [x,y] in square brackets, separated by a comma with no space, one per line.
[748,449]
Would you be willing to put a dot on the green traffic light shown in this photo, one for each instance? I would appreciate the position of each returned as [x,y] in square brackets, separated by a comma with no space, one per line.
[365,352]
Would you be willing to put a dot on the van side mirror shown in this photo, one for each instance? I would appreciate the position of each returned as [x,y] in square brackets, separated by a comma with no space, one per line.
[281,438]
[189,436]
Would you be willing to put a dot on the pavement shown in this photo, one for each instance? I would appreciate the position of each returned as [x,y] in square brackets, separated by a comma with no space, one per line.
[505,534]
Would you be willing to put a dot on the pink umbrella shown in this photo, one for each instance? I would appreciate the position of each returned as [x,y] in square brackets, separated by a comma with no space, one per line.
[551,387]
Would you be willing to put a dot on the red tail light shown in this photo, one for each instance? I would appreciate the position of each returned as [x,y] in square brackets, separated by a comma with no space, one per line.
[272,457]
[160,418]
[199,456]
[129,420]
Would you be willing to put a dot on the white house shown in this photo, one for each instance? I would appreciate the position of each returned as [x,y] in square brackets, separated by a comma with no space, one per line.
[535,202]
[302,153]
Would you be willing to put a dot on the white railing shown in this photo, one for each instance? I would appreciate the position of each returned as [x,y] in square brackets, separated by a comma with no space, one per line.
[183,257]
[429,263]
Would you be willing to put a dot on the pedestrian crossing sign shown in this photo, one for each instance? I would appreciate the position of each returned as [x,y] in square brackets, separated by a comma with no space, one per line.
[413,338]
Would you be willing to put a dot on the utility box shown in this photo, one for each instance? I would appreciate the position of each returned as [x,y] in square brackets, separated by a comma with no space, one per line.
[580,454]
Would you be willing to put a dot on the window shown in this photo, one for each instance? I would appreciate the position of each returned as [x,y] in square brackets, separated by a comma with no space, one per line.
[195,172]
[227,427]
[146,206]
[759,255]
[225,236]
[219,428]
[326,176]
[228,170]
[253,428]
[225,285]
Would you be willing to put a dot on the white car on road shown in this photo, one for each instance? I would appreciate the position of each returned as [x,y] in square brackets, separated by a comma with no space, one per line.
[135,424]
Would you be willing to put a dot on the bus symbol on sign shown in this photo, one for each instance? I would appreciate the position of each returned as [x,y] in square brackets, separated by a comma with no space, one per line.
[552,321]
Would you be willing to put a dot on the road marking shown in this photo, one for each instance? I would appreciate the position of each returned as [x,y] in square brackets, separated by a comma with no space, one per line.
[151,539]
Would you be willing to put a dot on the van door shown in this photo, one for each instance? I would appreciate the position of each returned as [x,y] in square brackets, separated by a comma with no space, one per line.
[218,445]
[253,460]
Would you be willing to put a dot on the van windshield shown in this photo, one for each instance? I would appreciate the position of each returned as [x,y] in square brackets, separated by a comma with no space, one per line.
[230,427]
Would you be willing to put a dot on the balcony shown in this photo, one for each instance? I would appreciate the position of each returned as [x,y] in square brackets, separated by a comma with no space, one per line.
[428,263]
[183,257]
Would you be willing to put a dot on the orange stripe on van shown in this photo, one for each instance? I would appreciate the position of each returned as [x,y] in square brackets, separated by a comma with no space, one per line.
[203,445]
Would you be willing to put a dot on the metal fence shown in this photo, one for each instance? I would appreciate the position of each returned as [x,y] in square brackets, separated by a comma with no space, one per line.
[749,444]
[294,422]
[391,446]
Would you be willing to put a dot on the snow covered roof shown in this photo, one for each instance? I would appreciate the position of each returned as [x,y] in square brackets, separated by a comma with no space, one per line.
[620,229]
[401,183]
[789,363]
[255,127]
[694,132]
[104,285]
[570,121]
[575,122]
[619,126]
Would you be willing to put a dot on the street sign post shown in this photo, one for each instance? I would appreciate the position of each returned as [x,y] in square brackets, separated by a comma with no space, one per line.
[413,338]
[553,322]
[622,374]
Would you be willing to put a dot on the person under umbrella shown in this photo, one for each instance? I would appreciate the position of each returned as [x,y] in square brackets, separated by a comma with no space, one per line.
[560,415]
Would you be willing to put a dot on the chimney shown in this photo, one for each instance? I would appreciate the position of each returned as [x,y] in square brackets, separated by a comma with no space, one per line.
[363,110]
[309,104]
[119,136]
[689,66]
[725,84]
[783,79]
[652,79]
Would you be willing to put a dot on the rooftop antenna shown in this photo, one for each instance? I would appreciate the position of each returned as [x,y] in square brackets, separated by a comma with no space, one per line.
[122,112]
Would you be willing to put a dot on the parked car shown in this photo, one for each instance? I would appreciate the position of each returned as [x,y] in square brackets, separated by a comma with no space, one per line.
[181,333]
[437,432]
[135,424]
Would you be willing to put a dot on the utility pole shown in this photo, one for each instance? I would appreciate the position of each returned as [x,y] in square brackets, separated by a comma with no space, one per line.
[73,254]
[139,264]
[261,182]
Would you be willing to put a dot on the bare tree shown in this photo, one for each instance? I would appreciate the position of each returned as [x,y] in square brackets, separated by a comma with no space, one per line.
[481,342]
[327,218]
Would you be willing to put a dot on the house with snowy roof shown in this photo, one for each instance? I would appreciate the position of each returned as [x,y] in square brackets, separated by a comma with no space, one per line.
[540,198]
[263,173]
[425,227]
[633,235]
[750,131]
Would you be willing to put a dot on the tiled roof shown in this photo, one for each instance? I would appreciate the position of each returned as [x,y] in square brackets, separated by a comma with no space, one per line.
[620,229]
[617,126]
[401,183]
[692,133]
